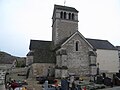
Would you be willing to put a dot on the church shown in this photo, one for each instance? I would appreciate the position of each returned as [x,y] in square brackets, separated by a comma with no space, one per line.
[69,52]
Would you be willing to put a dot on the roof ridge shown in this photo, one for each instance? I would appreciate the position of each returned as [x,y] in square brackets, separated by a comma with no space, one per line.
[65,8]
[40,40]
[97,39]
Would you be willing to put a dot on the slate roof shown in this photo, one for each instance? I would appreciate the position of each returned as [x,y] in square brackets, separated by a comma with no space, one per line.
[42,51]
[118,47]
[65,8]
[39,44]
[101,44]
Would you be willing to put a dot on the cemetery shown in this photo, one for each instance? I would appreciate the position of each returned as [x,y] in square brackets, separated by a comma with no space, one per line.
[76,83]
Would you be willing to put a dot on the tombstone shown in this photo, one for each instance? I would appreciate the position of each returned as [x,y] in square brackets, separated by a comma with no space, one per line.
[64,84]
[99,80]
[107,81]
[73,85]
[118,75]
[48,72]
[46,85]
[116,80]
[104,75]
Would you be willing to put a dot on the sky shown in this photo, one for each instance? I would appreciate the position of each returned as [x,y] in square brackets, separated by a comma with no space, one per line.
[23,20]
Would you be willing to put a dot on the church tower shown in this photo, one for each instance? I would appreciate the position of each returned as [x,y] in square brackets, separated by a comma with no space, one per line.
[64,23]
[71,48]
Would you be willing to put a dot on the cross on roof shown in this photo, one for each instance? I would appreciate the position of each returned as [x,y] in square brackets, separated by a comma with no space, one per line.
[64,2]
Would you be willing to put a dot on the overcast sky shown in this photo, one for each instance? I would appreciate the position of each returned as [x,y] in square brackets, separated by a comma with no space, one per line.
[22,20]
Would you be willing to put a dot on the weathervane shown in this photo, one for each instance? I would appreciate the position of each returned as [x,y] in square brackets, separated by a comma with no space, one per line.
[64,2]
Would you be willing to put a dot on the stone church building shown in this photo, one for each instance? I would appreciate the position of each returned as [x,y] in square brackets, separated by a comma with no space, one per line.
[69,52]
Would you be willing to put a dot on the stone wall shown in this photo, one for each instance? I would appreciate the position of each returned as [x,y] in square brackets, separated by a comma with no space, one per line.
[65,29]
[29,60]
[41,69]
[78,61]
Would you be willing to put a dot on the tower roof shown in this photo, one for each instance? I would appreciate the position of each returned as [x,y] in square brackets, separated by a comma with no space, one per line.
[65,8]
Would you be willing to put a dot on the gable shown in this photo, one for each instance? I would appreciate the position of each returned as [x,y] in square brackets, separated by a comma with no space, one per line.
[80,35]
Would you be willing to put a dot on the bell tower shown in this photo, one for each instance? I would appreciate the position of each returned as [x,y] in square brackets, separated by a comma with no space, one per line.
[64,23]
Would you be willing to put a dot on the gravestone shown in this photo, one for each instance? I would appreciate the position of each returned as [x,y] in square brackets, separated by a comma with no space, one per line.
[99,80]
[64,84]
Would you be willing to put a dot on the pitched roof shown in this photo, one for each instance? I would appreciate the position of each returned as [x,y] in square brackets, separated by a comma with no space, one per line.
[39,44]
[101,44]
[65,8]
[118,47]
[42,51]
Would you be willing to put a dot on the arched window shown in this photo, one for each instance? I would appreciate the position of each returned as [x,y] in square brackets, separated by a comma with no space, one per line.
[64,15]
[69,16]
[61,15]
[72,16]
[77,46]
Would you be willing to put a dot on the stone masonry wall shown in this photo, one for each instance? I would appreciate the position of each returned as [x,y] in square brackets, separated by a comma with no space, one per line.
[41,69]
[78,61]
[65,29]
